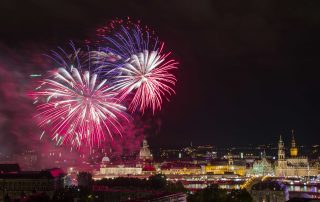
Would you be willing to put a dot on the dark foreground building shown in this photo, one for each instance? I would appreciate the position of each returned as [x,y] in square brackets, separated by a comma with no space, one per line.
[173,197]
[271,191]
[110,194]
[16,184]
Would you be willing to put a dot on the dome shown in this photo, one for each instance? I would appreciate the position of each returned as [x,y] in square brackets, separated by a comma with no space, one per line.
[293,149]
[294,152]
[105,160]
[145,153]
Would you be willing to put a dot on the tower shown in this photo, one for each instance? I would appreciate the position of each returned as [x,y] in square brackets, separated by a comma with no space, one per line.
[281,152]
[293,149]
[282,163]
[145,153]
[264,155]
[230,159]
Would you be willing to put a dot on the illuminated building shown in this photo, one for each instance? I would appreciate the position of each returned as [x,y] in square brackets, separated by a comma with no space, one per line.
[180,169]
[261,167]
[226,166]
[295,165]
[110,169]
[223,168]
[293,149]
[145,153]
[120,170]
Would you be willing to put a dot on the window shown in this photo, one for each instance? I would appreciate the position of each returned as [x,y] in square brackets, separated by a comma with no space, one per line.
[267,197]
[260,197]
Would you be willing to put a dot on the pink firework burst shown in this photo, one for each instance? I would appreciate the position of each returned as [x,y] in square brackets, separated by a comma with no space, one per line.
[141,71]
[77,109]
[147,77]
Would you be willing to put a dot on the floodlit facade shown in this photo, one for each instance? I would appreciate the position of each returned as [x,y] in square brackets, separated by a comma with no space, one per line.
[145,153]
[262,167]
[137,167]
[180,169]
[120,170]
[295,165]
[226,167]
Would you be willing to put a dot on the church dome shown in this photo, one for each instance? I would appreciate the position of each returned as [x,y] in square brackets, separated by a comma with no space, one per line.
[145,153]
[294,152]
[105,160]
[293,149]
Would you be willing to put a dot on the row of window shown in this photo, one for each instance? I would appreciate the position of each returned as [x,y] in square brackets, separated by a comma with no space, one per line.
[26,185]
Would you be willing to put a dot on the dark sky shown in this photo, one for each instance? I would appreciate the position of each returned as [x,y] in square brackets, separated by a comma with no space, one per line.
[249,70]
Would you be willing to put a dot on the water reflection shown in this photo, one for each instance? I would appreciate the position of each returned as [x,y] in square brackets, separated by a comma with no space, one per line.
[298,188]
[202,186]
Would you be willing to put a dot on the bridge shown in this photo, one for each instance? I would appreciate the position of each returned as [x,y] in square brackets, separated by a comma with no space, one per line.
[252,181]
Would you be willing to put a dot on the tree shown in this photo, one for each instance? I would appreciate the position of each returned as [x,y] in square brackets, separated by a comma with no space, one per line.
[175,187]
[209,194]
[239,196]
[84,179]
[158,181]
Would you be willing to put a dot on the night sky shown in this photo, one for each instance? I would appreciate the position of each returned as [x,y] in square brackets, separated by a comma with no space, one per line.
[249,70]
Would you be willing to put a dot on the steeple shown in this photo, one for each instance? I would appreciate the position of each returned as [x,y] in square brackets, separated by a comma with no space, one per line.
[145,144]
[230,159]
[280,143]
[264,155]
[281,153]
[145,153]
[293,149]
[293,142]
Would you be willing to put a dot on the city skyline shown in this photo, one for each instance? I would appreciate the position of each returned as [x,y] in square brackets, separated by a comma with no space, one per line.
[247,71]
[182,100]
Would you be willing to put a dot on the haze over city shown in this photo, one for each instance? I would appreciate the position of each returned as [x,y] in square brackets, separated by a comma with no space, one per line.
[171,99]
[247,70]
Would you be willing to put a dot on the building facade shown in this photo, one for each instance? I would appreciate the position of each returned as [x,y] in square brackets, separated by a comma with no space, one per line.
[145,153]
[120,170]
[140,166]
[271,191]
[262,167]
[180,169]
[226,167]
[14,185]
[294,165]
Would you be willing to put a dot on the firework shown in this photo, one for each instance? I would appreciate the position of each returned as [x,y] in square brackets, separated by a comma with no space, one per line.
[78,109]
[138,67]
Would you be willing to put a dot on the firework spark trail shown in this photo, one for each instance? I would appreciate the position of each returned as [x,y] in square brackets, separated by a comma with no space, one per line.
[140,70]
[77,109]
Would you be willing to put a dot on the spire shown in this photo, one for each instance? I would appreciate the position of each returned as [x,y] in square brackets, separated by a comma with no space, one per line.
[145,143]
[264,155]
[230,159]
[280,140]
[145,153]
[280,143]
[293,149]
[293,141]
[281,152]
